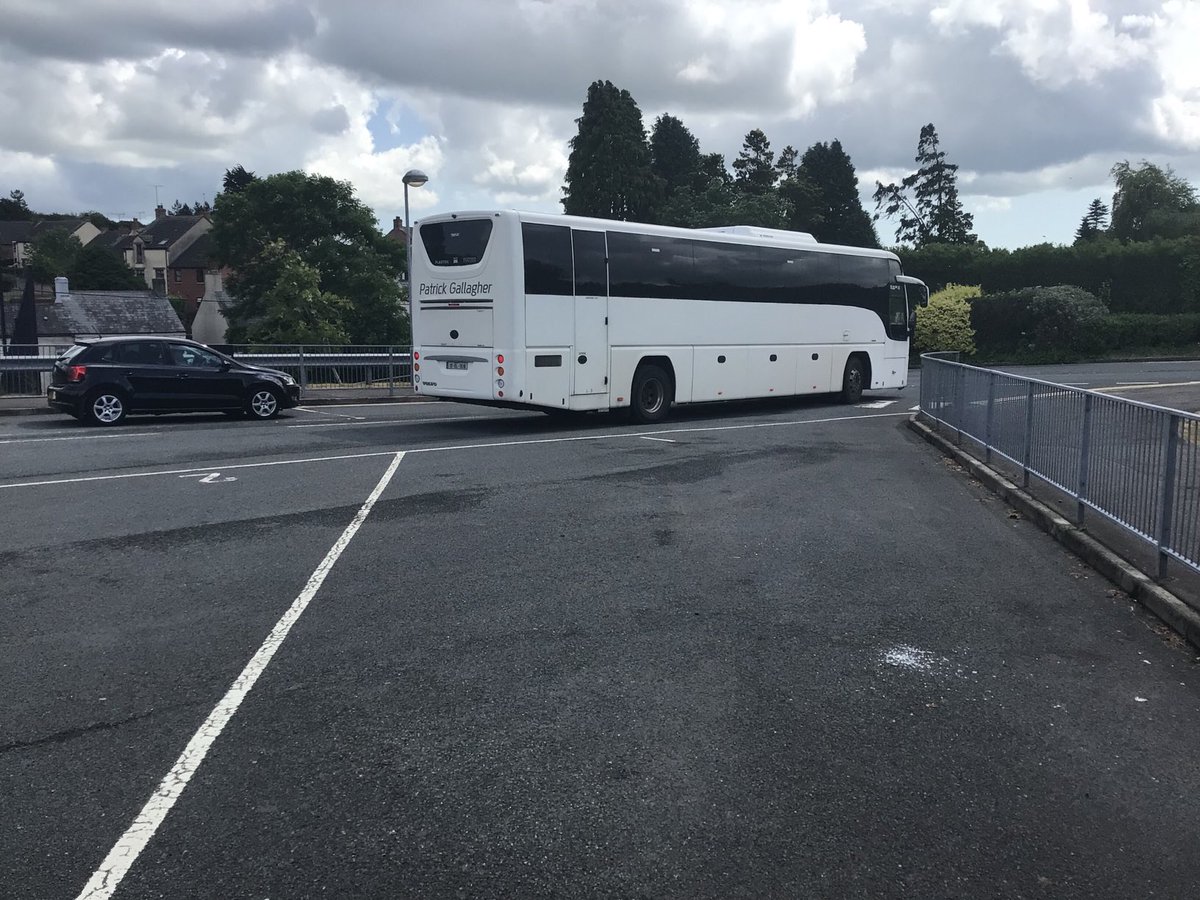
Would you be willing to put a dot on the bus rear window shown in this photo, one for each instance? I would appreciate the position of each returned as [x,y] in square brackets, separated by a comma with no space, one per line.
[457,243]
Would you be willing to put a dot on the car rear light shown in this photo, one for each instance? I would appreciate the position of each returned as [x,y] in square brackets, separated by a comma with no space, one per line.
[76,373]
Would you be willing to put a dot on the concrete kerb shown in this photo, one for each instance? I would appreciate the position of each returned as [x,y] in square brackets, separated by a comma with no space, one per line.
[1137,584]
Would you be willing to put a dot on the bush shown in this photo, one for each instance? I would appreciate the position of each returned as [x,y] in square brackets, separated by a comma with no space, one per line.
[945,324]
[1142,333]
[1050,322]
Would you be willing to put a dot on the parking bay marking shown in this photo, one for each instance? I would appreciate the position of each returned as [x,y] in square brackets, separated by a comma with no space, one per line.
[210,477]
[82,437]
[120,859]
[455,447]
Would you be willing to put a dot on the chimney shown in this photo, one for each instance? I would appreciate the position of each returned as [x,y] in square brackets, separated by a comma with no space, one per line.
[61,288]
[397,223]
[160,212]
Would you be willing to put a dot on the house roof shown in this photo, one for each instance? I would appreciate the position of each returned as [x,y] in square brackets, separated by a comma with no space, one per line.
[101,313]
[68,225]
[15,230]
[162,233]
[114,239]
[198,255]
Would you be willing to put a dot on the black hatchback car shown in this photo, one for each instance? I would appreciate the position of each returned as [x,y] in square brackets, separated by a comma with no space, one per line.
[101,382]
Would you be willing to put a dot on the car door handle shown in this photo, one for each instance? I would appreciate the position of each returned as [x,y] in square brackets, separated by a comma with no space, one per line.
[183,375]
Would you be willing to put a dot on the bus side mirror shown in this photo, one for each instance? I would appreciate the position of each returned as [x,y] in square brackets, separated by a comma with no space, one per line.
[924,298]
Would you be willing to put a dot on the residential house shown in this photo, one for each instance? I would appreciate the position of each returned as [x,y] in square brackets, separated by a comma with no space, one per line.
[152,251]
[194,273]
[18,237]
[96,314]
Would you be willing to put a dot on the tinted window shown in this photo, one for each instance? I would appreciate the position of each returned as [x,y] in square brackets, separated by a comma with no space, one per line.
[726,272]
[548,267]
[129,353]
[194,357]
[457,243]
[644,265]
[71,352]
[591,264]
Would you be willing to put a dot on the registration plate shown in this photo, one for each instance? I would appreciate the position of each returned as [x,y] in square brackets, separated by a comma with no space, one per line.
[457,365]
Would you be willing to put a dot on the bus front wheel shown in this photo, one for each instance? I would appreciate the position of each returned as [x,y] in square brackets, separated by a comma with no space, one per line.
[853,381]
[652,395]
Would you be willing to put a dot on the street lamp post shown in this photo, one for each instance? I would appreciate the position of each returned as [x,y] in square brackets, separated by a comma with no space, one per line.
[416,178]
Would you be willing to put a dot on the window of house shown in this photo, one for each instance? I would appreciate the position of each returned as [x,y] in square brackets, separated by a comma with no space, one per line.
[139,254]
[199,276]
[178,275]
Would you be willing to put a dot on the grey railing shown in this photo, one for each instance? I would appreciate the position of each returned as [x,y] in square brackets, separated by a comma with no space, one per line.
[1135,464]
[382,368]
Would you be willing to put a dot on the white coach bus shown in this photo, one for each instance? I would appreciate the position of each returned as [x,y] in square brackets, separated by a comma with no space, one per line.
[558,313]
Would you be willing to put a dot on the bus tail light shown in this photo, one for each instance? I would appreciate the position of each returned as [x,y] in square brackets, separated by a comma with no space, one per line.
[416,355]
[499,357]
[499,382]
[499,370]
[416,367]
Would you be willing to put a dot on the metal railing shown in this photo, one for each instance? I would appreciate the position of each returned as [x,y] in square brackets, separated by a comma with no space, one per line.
[1137,465]
[356,368]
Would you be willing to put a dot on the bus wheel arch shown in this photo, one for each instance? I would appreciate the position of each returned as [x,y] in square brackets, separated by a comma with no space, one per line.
[856,377]
[653,390]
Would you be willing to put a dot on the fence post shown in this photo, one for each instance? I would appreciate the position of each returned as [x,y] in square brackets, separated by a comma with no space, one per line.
[391,371]
[958,402]
[1167,501]
[303,372]
[1028,454]
[1084,459]
[987,429]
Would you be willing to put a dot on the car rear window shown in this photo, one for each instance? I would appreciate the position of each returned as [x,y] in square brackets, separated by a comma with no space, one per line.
[457,243]
[71,352]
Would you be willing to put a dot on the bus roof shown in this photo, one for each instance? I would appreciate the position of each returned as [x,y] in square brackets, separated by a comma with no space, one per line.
[733,234]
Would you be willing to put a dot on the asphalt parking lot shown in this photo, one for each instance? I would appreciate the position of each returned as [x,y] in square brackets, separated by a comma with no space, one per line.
[430,650]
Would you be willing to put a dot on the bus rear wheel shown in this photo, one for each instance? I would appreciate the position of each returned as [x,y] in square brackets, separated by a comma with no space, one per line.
[853,381]
[652,394]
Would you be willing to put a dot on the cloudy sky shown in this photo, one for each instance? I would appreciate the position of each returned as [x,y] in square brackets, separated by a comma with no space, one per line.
[102,100]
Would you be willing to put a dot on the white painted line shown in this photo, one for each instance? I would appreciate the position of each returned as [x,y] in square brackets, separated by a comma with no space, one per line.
[377,404]
[393,422]
[203,469]
[83,437]
[121,858]
[875,404]
[1141,386]
[914,409]
[664,440]
[453,447]
[321,412]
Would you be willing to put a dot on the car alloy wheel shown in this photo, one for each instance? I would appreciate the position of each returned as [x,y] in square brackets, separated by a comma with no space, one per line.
[264,404]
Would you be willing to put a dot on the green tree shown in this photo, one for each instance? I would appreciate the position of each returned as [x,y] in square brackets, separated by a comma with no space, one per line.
[331,231]
[838,217]
[1095,221]
[54,253]
[1151,202]
[608,171]
[945,324]
[768,210]
[13,207]
[96,268]
[294,310]
[933,212]
[754,168]
[674,154]
[237,179]
[786,167]
[181,209]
